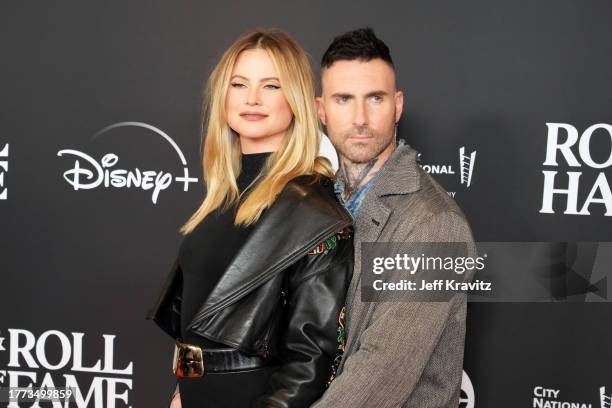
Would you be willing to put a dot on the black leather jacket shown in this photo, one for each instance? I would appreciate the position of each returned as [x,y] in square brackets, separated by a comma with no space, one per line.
[276,299]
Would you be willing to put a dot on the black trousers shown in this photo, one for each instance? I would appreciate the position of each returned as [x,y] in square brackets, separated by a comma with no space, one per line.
[225,390]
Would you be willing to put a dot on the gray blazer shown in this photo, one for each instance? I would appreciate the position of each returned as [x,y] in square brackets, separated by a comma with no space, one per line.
[406,354]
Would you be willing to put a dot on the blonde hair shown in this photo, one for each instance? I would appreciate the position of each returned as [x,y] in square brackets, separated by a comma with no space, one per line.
[298,153]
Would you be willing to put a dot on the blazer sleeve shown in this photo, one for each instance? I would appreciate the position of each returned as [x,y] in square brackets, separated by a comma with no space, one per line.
[317,286]
[403,338]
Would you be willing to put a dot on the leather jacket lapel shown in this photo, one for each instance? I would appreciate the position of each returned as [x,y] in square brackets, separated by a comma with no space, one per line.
[275,243]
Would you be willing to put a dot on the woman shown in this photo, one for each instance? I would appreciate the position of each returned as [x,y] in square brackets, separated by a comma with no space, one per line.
[254,296]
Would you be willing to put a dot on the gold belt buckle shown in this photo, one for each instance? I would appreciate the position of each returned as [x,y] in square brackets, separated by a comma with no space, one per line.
[188,361]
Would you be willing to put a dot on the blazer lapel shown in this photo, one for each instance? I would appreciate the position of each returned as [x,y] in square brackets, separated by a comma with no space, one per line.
[399,176]
[372,218]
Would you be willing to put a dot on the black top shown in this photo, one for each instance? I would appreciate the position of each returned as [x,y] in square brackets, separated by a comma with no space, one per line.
[207,251]
[204,255]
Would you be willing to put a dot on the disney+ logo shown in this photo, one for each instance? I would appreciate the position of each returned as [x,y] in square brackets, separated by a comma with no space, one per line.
[88,173]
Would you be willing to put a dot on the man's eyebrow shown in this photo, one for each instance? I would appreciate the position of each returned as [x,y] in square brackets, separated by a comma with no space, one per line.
[368,95]
[377,93]
[262,79]
[342,95]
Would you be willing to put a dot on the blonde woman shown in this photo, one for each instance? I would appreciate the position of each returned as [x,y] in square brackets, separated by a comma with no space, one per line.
[254,296]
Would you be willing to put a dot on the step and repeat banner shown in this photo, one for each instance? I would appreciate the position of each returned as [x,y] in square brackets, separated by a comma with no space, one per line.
[508,103]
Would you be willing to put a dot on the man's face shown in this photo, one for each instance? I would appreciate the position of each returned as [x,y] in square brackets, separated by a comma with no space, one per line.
[360,106]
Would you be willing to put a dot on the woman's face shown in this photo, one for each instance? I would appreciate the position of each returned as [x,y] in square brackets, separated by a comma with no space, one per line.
[255,105]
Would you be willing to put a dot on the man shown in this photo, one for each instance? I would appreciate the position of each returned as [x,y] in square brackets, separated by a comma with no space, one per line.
[398,354]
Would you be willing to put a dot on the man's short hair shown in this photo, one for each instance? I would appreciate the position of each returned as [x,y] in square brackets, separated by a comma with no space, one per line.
[361,44]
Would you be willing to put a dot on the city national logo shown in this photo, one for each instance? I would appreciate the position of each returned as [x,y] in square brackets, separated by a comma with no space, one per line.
[605,398]
[54,360]
[467,398]
[4,152]
[565,163]
[466,164]
[463,174]
[551,398]
[88,173]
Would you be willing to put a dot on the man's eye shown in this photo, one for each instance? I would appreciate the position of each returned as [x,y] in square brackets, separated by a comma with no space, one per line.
[377,99]
[237,85]
[342,99]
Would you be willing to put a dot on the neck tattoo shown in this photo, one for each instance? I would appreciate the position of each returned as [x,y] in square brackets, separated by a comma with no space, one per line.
[351,185]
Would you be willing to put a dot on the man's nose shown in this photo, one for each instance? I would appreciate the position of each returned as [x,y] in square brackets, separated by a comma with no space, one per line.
[253,97]
[361,115]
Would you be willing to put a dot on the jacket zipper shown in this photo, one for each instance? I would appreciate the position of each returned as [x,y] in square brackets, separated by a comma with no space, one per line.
[264,349]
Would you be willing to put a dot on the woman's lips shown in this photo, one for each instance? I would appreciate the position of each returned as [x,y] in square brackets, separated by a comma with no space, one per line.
[253,116]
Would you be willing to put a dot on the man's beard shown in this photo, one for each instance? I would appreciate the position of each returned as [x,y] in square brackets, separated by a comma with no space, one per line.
[363,152]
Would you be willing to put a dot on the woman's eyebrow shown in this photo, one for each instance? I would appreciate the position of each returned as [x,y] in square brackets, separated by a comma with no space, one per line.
[262,79]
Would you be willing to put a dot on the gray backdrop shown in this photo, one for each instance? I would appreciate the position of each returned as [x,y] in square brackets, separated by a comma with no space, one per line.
[80,267]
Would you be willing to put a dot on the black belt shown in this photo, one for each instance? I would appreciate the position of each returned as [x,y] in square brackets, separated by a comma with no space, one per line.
[194,361]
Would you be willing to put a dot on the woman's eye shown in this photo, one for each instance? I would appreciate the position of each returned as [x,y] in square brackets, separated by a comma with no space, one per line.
[237,85]
[272,86]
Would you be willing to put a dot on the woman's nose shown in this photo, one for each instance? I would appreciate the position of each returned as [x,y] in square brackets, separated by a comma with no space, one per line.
[253,97]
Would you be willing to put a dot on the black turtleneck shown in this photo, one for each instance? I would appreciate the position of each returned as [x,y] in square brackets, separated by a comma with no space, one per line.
[207,251]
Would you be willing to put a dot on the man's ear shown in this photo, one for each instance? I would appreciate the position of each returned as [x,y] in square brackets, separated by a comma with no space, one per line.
[320,109]
[399,105]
